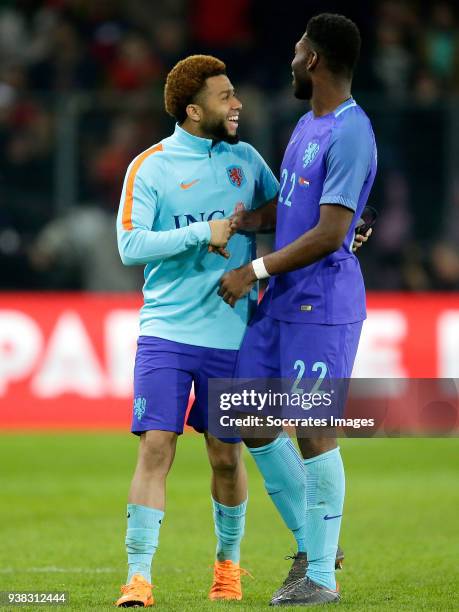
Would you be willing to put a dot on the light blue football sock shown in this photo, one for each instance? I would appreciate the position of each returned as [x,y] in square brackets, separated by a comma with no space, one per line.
[143,525]
[325,486]
[229,528]
[283,472]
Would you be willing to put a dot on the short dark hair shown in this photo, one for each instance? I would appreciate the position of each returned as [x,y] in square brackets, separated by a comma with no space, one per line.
[338,39]
[186,80]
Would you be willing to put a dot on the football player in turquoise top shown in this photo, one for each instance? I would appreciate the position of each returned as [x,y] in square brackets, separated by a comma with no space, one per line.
[309,321]
[173,218]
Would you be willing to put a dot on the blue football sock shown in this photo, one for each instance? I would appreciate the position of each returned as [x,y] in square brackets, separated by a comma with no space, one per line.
[325,487]
[142,538]
[229,528]
[283,472]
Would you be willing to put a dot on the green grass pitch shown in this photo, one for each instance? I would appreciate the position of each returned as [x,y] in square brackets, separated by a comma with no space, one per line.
[62,523]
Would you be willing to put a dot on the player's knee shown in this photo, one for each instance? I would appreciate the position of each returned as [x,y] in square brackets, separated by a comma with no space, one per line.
[311,447]
[226,462]
[156,453]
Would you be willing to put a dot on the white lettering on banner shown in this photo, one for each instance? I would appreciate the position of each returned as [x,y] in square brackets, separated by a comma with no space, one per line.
[380,354]
[68,359]
[70,364]
[21,341]
[448,344]
[121,332]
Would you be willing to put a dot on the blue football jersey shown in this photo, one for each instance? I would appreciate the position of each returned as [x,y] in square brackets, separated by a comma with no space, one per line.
[329,160]
[170,193]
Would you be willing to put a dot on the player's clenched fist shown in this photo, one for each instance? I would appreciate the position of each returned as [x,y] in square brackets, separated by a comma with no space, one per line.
[220,232]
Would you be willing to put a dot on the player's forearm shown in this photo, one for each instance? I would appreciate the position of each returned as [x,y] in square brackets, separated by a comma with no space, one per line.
[140,246]
[325,238]
[305,250]
[308,248]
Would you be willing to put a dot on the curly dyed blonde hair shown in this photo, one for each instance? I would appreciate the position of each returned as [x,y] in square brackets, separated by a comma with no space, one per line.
[185,81]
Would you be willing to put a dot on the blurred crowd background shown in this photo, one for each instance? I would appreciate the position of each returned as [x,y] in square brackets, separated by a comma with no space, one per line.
[81,93]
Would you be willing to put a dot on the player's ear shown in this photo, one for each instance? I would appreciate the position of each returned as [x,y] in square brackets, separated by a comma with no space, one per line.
[194,112]
[312,60]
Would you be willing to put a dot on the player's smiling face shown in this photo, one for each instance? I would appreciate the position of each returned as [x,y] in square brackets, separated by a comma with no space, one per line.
[220,110]
[304,60]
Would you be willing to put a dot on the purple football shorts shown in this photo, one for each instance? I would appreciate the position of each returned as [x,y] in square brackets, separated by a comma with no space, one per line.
[163,375]
[279,349]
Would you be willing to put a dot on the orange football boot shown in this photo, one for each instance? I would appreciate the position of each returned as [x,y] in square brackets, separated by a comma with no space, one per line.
[227,581]
[138,593]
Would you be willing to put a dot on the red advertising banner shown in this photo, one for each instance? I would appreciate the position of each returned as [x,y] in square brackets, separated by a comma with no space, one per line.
[66,360]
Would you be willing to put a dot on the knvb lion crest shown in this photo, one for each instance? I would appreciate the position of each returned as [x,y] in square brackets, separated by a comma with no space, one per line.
[310,153]
[140,404]
[236,175]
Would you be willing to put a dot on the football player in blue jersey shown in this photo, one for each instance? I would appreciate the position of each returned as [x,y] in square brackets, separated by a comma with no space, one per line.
[173,218]
[311,316]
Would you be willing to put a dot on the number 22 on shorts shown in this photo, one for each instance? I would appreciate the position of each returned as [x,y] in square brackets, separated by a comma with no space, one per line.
[318,366]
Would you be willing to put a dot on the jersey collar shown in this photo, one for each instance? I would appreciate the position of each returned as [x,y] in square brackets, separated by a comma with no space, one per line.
[339,109]
[202,145]
[344,106]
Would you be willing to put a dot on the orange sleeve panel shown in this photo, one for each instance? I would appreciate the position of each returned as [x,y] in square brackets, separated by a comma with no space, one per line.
[129,196]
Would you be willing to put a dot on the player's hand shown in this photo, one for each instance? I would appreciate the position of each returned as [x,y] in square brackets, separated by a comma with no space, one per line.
[236,283]
[220,232]
[219,251]
[360,240]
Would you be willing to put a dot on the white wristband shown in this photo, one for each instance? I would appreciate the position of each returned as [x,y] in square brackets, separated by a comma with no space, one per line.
[260,269]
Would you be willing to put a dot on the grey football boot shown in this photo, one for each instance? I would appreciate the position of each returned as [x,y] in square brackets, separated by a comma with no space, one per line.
[299,567]
[305,592]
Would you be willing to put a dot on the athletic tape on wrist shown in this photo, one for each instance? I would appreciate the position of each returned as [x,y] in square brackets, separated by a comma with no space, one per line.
[260,269]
